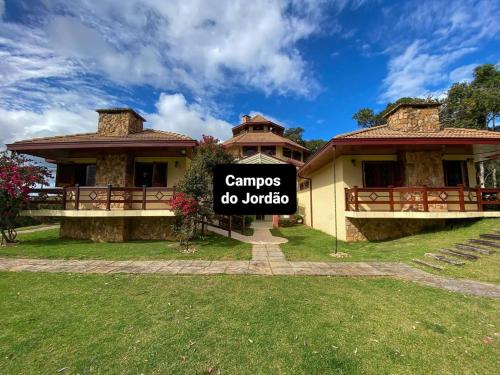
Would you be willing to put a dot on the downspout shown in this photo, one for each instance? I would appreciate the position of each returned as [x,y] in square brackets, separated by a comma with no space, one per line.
[335,197]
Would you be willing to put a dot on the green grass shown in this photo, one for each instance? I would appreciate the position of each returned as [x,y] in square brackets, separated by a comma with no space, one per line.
[35,227]
[241,325]
[312,245]
[47,244]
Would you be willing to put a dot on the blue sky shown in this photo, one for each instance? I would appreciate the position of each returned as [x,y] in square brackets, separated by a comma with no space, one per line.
[195,66]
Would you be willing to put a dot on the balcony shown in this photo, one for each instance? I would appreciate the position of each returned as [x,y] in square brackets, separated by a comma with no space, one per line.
[100,201]
[422,202]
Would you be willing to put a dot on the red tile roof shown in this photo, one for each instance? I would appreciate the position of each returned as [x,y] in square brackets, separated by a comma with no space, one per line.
[252,138]
[145,135]
[383,131]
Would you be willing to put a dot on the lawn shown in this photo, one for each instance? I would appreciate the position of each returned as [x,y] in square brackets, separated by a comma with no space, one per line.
[241,325]
[312,245]
[47,244]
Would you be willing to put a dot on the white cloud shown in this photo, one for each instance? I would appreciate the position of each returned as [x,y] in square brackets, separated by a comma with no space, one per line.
[190,43]
[463,73]
[22,124]
[418,73]
[174,113]
[428,40]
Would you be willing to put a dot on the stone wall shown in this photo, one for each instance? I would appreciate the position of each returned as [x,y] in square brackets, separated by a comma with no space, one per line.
[151,228]
[117,229]
[115,169]
[384,229]
[423,168]
[414,119]
[119,123]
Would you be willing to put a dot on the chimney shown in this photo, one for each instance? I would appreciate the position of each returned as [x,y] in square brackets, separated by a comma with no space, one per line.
[119,122]
[245,119]
[414,117]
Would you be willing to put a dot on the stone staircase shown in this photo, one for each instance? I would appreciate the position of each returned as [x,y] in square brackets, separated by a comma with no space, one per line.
[458,256]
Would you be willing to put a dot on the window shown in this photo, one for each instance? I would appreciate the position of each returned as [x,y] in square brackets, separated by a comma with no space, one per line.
[455,172]
[287,153]
[84,174]
[379,173]
[151,174]
[258,128]
[304,185]
[249,150]
[297,155]
[268,150]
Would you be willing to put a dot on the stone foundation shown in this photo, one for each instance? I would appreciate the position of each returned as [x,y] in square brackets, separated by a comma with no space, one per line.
[117,229]
[385,229]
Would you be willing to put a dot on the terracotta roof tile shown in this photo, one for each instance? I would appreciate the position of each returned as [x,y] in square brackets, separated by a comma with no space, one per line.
[261,137]
[383,131]
[145,135]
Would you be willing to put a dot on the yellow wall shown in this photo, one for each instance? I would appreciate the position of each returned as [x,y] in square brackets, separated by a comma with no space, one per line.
[174,174]
[348,174]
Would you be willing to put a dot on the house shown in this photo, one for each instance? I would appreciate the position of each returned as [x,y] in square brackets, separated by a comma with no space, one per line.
[258,140]
[397,179]
[114,184]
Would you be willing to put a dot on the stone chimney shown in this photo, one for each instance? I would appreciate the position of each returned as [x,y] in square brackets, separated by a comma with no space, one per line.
[119,122]
[414,117]
[245,119]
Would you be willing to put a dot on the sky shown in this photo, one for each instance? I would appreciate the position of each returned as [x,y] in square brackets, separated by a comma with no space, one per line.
[196,66]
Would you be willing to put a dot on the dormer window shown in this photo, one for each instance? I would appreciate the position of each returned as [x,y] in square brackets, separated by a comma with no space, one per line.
[258,128]
[287,153]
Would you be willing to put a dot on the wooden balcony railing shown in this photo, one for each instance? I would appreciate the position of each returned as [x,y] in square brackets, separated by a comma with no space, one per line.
[101,198]
[422,198]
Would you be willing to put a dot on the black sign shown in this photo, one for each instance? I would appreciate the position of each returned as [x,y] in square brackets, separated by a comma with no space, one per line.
[255,189]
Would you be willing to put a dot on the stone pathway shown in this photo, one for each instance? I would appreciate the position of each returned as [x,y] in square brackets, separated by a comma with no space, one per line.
[267,260]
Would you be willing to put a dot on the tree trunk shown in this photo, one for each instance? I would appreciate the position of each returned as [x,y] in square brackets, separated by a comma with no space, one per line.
[481,174]
[494,174]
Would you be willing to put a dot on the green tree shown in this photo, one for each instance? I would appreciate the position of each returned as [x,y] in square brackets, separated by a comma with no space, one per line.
[475,104]
[314,145]
[295,134]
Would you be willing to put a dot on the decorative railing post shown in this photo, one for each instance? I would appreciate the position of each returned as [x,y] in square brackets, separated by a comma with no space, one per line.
[356,201]
[479,195]
[346,197]
[108,198]
[230,226]
[391,197]
[144,195]
[77,197]
[425,198]
[461,198]
[64,197]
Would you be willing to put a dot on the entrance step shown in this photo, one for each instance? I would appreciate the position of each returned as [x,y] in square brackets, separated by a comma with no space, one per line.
[458,254]
[427,264]
[475,249]
[490,236]
[486,243]
[444,259]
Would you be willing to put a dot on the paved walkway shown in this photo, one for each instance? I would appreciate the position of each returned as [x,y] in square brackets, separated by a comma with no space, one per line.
[267,259]
[261,234]
[267,262]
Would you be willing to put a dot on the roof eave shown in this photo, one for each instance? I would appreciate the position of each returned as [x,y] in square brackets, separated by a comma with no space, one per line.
[99,145]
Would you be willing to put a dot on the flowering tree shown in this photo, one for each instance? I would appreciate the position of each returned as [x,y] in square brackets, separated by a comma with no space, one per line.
[188,210]
[17,175]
